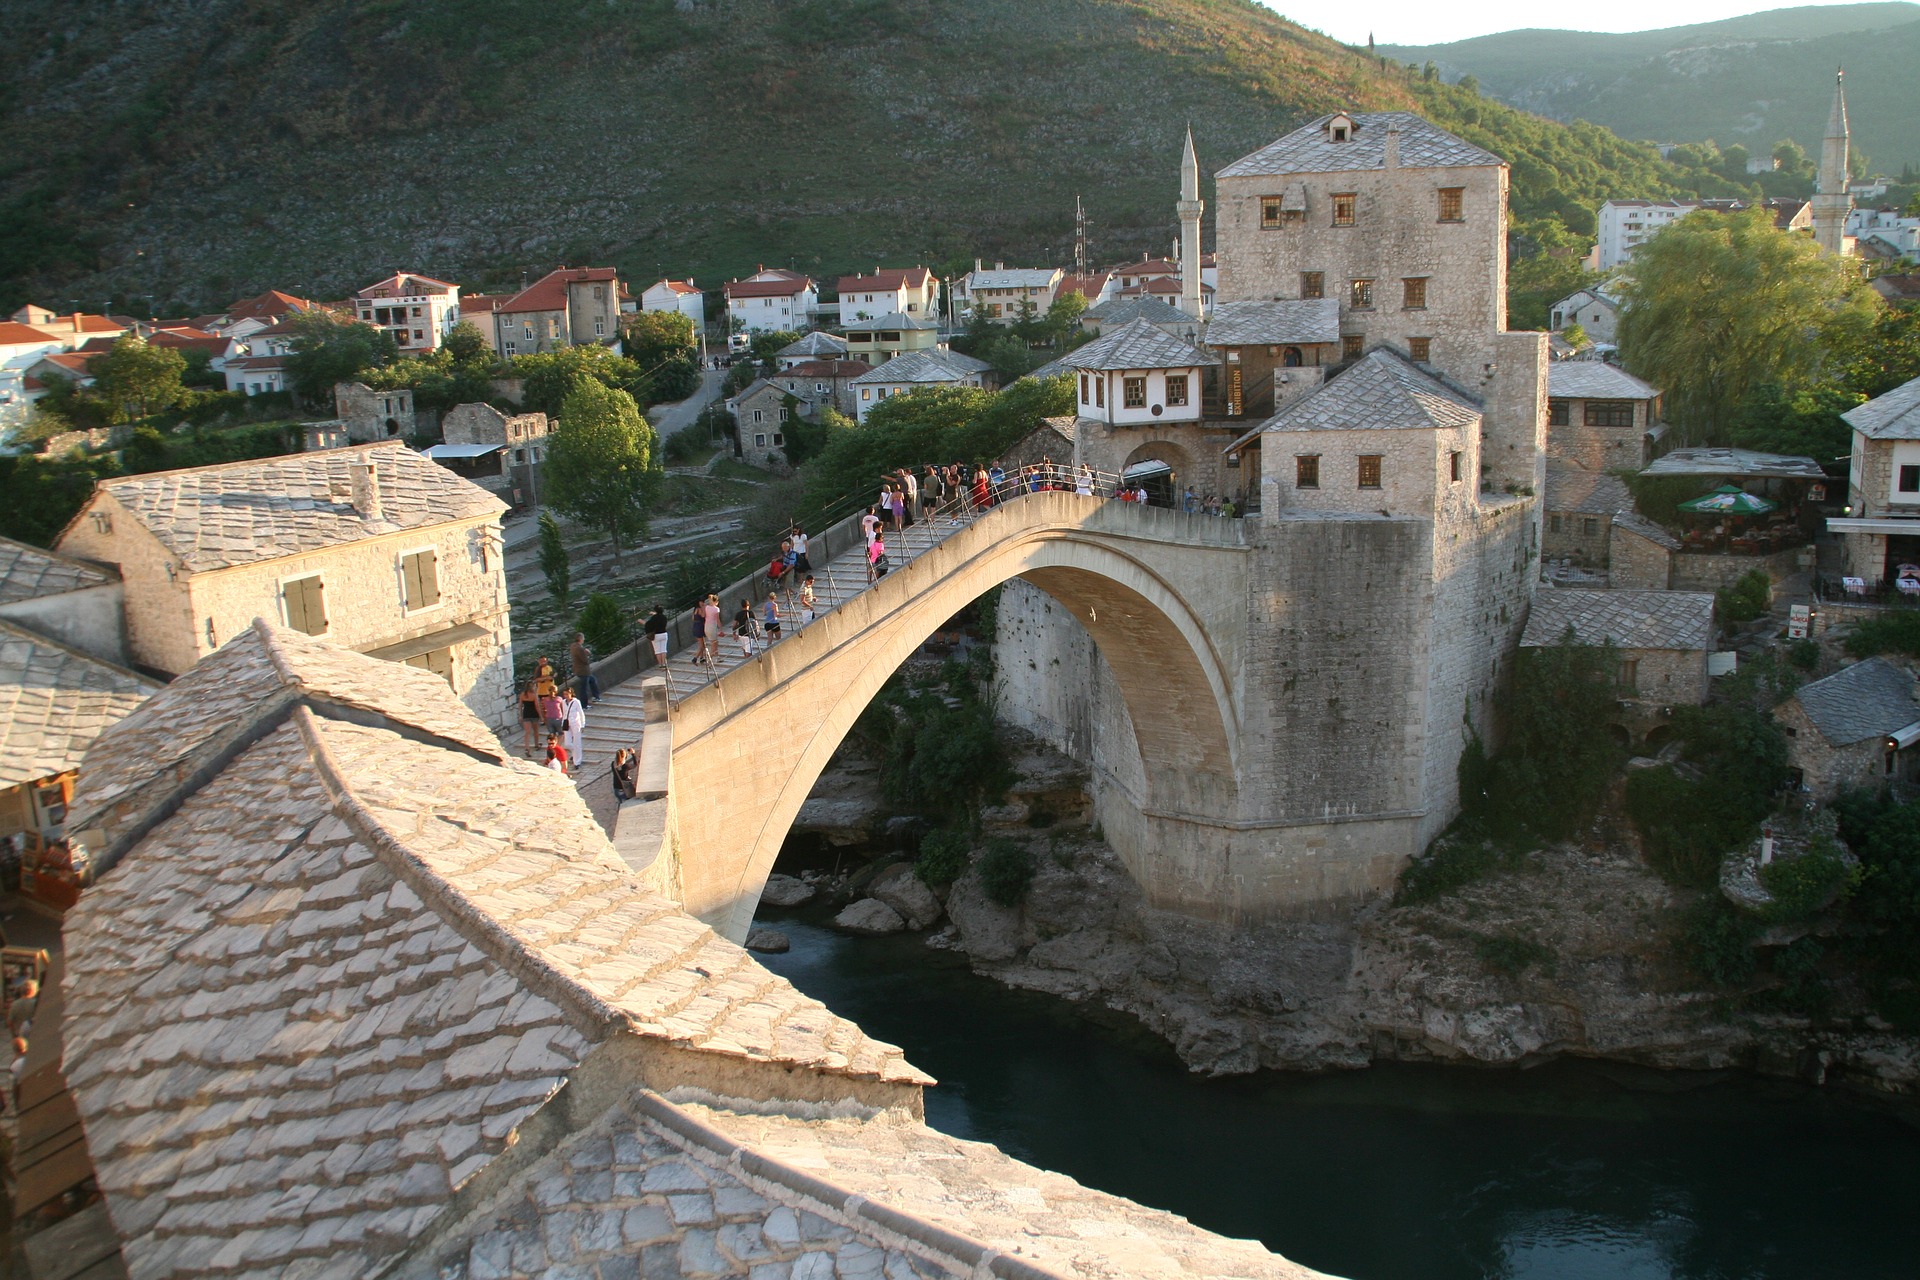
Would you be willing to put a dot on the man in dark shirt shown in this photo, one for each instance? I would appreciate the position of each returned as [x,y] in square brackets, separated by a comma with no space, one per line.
[657,635]
[584,682]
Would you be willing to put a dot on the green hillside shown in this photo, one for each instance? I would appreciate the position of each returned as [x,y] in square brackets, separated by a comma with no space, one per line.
[174,155]
[1751,80]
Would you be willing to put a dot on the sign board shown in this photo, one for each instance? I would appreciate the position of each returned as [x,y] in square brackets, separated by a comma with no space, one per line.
[1800,622]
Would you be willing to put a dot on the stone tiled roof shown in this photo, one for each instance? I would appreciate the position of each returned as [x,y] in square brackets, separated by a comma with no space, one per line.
[1630,619]
[928,367]
[1308,149]
[1586,492]
[1118,311]
[28,573]
[815,345]
[54,702]
[1243,324]
[1594,380]
[1718,460]
[1383,389]
[347,962]
[1634,522]
[1139,344]
[244,512]
[1893,416]
[1866,700]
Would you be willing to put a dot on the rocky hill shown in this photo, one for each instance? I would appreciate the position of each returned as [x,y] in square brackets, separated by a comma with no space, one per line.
[177,153]
[1751,80]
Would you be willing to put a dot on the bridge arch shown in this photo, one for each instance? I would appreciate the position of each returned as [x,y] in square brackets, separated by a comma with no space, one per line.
[748,749]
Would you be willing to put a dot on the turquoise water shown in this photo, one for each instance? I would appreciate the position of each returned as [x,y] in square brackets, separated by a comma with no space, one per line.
[1572,1171]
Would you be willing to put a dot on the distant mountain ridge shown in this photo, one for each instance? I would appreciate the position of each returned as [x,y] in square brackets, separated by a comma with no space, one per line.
[180,153]
[1751,80]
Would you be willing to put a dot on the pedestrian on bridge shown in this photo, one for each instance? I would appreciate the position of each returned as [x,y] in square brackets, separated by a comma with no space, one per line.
[806,601]
[656,627]
[576,721]
[743,627]
[876,559]
[982,488]
[583,679]
[800,562]
[771,623]
[870,524]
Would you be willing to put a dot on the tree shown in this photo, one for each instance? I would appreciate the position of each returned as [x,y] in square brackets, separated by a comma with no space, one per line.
[549,377]
[327,348]
[1063,318]
[663,345]
[1720,305]
[605,626]
[1575,335]
[465,344]
[1791,158]
[554,565]
[136,380]
[601,462]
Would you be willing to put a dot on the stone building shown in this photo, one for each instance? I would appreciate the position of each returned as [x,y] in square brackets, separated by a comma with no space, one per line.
[1856,728]
[54,701]
[76,602]
[570,307]
[1580,507]
[916,370]
[376,548]
[1394,539]
[1662,637]
[1119,312]
[1881,529]
[760,411]
[357,993]
[370,415]
[1595,310]
[818,345]
[1600,417]
[1640,553]
[516,444]
[830,381]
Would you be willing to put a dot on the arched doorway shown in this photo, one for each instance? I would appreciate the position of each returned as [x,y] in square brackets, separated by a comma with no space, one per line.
[1162,468]
[1291,358]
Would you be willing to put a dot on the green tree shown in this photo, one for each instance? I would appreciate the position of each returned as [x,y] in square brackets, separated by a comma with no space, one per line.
[327,348]
[663,345]
[1792,158]
[136,380]
[465,344]
[601,465]
[605,625]
[1574,335]
[1063,319]
[549,377]
[1553,769]
[1720,305]
[554,565]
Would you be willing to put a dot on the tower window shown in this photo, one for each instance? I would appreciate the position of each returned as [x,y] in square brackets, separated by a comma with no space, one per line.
[1360,295]
[1313,284]
[1352,345]
[1370,470]
[1270,213]
[1453,204]
[1420,350]
[1453,466]
[1413,293]
[1343,205]
[1306,471]
[1135,392]
[1176,388]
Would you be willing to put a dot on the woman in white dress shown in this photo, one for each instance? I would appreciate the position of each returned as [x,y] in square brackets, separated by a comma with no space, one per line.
[576,721]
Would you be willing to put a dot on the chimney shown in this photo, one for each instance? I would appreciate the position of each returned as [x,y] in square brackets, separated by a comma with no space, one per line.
[999,266]
[976,264]
[1393,146]
[366,487]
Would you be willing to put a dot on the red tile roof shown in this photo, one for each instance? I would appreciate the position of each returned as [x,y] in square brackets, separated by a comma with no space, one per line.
[96,346]
[477,303]
[270,305]
[74,362]
[184,339]
[678,286]
[405,284]
[1088,287]
[1147,267]
[248,363]
[549,292]
[887,281]
[85,323]
[827,369]
[12,334]
[765,288]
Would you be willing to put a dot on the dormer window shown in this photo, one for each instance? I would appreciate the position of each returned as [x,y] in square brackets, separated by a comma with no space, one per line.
[1340,128]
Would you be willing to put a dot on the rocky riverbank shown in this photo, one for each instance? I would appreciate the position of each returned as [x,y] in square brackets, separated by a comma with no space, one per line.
[1572,952]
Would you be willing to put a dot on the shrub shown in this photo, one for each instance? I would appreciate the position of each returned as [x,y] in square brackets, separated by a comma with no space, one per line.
[1450,863]
[1006,871]
[1717,943]
[1803,885]
[1509,954]
[1558,759]
[684,445]
[1804,654]
[1684,825]
[1746,599]
[943,856]
[605,625]
[1896,631]
[1798,968]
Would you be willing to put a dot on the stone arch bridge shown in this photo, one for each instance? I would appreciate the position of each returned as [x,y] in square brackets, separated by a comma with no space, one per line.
[1163,595]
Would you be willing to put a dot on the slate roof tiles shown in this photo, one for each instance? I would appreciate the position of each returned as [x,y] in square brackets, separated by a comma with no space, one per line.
[54,703]
[244,512]
[1594,380]
[1308,149]
[29,573]
[1630,619]
[1139,344]
[1239,324]
[1893,416]
[1585,492]
[1866,700]
[1381,390]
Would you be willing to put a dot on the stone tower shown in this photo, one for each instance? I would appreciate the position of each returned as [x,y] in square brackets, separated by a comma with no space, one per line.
[1831,203]
[1190,207]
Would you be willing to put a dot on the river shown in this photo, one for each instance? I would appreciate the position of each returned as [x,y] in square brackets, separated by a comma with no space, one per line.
[1570,1171]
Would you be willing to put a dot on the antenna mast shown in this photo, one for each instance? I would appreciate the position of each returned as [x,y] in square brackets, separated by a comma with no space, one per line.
[1079,238]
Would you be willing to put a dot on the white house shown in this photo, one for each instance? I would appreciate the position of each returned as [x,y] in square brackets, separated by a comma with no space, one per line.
[1138,375]
[1624,226]
[417,310]
[1595,310]
[1900,235]
[1001,292]
[912,371]
[771,301]
[676,295]
[913,291]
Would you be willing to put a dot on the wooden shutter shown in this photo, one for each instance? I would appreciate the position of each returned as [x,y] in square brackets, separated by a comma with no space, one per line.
[421,578]
[306,605]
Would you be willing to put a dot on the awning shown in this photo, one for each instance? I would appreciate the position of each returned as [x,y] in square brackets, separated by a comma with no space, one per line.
[427,643]
[1901,739]
[1867,524]
[1146,470]
[439,451]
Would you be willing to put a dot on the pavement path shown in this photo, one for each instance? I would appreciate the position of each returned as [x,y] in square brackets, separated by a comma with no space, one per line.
[668,419]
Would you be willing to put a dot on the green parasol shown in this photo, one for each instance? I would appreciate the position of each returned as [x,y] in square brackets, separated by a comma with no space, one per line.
[1728,500]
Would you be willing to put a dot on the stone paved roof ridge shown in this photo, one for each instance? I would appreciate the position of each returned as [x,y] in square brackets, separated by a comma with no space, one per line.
[1138,344]
[1307,149]
[1382,389]
[1629,619]
[1861,701]
[55,702]
[1595,379]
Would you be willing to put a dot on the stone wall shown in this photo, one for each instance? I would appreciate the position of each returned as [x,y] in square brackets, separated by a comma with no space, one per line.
[1669,676]
[370,415]
[1827,770]
[1580,536]
[1697,571]
[1636,562]
[159,618]
[1598,448]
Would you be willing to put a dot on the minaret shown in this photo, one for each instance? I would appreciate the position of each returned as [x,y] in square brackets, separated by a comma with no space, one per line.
[1831,203]
[1190,207]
